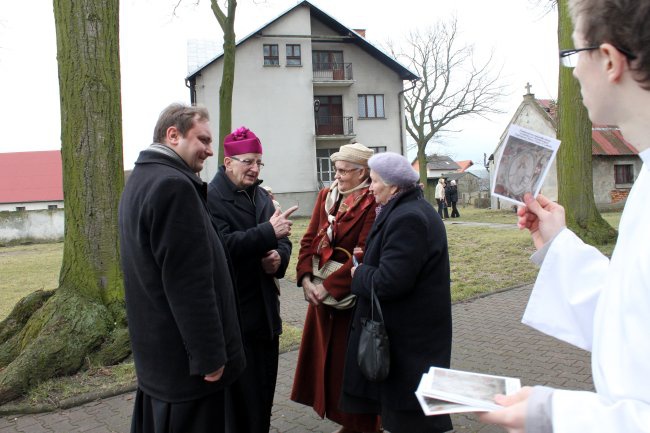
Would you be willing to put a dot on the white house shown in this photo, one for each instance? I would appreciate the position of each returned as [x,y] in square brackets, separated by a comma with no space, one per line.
[615,162]
[306,84]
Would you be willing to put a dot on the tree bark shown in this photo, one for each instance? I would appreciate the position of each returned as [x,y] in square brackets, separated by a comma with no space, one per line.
[87,310]
[227,24]
[574,158]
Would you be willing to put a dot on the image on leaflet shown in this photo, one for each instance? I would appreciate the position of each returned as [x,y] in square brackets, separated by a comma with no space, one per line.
[444,390]
[523,164]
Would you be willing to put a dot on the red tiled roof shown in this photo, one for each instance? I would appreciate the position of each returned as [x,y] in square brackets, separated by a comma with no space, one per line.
[606,140]
[464,165]
[31,176]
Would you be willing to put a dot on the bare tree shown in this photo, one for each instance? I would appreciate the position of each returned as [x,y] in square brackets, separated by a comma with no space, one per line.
[50,334]
[574,158]
[451,85]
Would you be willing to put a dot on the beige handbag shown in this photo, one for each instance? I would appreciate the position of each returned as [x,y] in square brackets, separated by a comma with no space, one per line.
[328,269]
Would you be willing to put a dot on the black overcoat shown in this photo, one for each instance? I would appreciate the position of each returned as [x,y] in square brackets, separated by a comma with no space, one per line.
[244,224]
[180,300]
[451,193]
[406,260]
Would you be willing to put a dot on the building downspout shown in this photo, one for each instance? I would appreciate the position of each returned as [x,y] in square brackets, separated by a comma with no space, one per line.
[399,110]
[191,84]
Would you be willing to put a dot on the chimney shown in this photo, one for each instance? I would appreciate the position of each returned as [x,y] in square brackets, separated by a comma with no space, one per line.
[361,32]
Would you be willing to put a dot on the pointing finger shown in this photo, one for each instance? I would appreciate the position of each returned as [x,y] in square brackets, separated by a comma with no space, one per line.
[287,213]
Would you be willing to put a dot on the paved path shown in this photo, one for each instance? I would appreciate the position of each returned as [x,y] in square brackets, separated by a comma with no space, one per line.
[488,338]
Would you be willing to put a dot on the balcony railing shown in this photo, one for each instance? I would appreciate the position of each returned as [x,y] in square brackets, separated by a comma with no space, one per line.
[332,71]
[334,125]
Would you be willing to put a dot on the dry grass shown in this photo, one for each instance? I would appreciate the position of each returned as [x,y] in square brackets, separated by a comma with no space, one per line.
[25,269]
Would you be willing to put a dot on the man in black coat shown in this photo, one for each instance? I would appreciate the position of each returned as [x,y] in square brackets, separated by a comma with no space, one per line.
[451,195]
[256,236]
[180,300]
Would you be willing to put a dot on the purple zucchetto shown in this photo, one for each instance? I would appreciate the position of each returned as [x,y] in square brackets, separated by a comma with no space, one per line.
[241,141]
[393,169]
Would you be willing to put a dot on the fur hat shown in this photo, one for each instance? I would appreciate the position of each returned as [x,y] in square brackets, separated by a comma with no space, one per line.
[394,169]
[356,153]
[241,141]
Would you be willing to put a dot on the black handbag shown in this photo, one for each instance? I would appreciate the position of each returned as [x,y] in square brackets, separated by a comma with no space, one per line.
[373,355]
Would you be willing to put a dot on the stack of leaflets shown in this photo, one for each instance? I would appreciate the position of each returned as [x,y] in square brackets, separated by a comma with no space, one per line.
[442,391]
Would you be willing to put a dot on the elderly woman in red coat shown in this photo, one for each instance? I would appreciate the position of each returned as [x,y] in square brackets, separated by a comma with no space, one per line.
[340,222]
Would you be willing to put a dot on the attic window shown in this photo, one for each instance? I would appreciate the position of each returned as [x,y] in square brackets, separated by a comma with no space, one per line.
[271,56]
[293,55]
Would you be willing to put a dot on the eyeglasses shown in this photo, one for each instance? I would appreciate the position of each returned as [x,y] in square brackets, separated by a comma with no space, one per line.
[569,58]
[249,162]
[344,172]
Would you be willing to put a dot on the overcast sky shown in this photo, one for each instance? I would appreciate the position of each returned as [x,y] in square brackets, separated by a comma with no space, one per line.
[154,59]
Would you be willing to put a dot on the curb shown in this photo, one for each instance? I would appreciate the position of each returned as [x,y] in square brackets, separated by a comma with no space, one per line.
[69,402]
[79,400]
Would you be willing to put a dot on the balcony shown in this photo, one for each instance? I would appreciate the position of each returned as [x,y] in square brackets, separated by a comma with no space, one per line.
[334,127]
[333,74]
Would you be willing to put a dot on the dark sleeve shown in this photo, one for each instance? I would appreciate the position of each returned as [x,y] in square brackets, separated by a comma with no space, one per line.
[242,244]
[180,244]
[404,249]
[284,249]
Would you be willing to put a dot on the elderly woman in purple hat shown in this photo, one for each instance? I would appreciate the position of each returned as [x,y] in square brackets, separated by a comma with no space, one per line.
[407,263]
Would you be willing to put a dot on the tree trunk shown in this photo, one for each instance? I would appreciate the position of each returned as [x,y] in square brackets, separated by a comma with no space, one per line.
[429,193]
[228,75]
[87,310]
[574,158]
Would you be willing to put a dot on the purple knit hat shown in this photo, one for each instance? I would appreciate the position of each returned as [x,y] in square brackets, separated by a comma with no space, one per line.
[241,141]
[393,169]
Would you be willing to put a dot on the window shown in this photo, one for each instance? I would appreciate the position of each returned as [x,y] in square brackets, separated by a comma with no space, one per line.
[20,208]
[271,56]
[371,106]
[623,174]
[327,60]
[52,207]
[325,166]
[293,55]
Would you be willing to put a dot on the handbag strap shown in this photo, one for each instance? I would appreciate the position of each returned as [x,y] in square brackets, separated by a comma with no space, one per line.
[375,302]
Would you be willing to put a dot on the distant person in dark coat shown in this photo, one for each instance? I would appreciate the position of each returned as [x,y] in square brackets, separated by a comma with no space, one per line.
[407,263]
[256,235]
[180,301]
[451,195]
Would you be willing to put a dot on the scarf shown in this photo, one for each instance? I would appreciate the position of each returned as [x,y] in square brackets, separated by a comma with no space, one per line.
[333,196]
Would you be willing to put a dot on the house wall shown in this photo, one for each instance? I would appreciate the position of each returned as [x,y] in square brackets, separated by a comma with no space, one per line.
[276,102]
[41,205]
[31,226]
[469,189]
[606,193]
